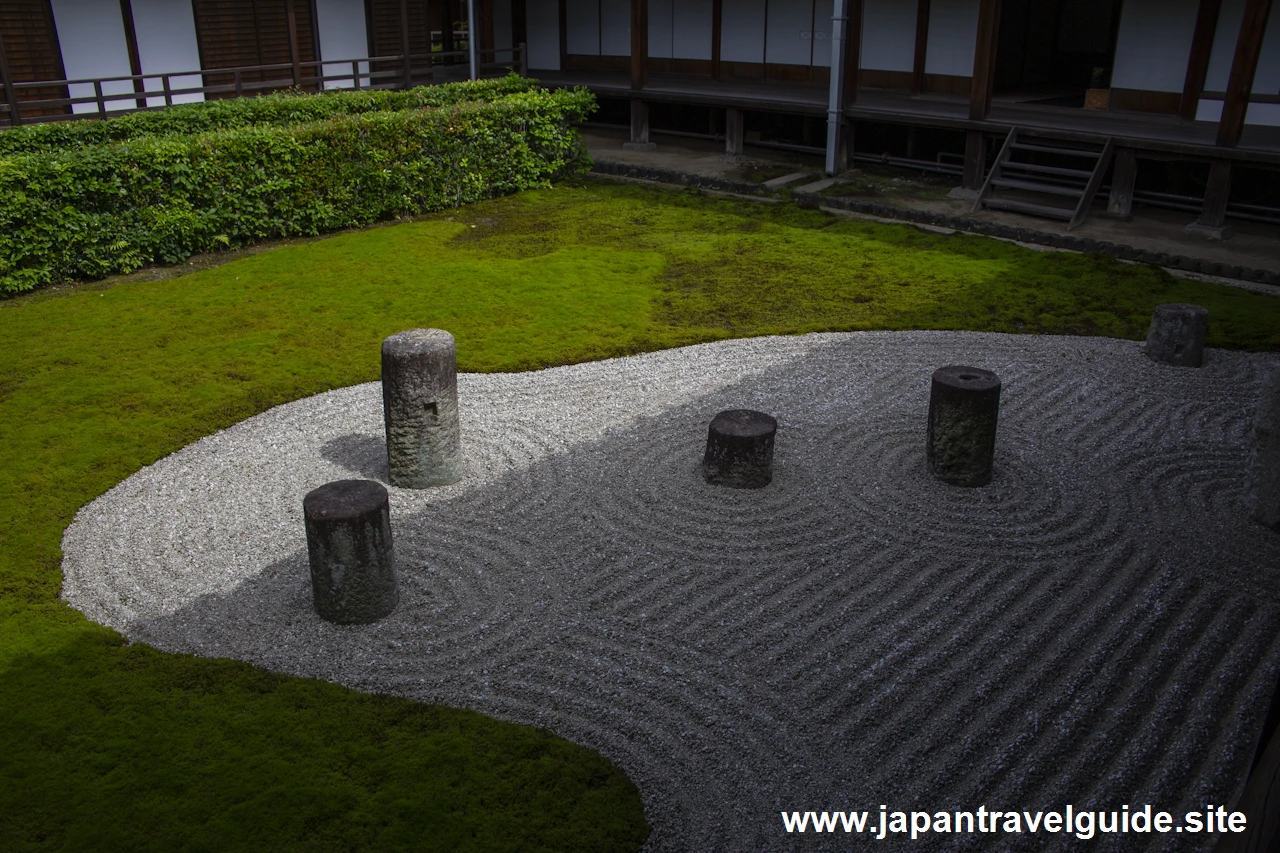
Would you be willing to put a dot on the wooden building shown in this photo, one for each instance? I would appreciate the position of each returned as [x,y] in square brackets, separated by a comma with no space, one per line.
[1121,80]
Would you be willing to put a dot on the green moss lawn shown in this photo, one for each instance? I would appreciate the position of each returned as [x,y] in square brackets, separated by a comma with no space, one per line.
[108,746]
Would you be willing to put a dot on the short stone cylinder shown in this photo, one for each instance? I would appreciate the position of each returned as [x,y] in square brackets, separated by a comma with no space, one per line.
[353,575]
[1263,481]
[420,408]
[739,451]
[964,406]
[1177,334]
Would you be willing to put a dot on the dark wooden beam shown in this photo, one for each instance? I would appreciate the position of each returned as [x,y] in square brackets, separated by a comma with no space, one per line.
[131,45]
[1198,62]
[1123,175]
[404,43]
[484,11]
[564,35]
[6,79]
[975,160]
[1217,193]
[922,44]
[639,44]
[294,58]
[853,53]
[984,59]
[717,21]
[1243,67]
[519,22]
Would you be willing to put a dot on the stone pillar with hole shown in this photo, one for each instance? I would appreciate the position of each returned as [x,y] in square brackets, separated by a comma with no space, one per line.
[964,406]
[1177,334]
[420,408]
[353,577]
[739,452]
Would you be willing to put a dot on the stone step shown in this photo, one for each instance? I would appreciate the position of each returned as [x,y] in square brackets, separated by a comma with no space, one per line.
[787,180]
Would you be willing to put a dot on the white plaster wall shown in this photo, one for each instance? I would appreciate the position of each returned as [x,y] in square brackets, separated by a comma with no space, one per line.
[953,36]
[91,34]
[615,27]
[166,43]
[342,36]
[582,26]
[691,29]
[789,37]
[822,12]
[660,28]
[1266,80]
[889,35]
[1154,44]
[742,31]
[544,34]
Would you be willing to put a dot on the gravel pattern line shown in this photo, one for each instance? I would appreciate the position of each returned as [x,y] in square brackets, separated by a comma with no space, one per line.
[1099,626]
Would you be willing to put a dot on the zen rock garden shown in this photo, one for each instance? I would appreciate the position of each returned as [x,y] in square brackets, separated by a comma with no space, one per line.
[348,522]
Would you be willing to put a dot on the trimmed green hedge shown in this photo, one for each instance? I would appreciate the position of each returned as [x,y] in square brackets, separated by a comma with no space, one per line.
[92,212]
[281,108]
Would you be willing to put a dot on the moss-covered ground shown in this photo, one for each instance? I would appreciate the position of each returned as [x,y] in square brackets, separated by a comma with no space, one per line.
[109,746]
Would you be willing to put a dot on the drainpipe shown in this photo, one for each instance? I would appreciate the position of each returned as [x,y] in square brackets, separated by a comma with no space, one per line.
[835,107]
[471,38]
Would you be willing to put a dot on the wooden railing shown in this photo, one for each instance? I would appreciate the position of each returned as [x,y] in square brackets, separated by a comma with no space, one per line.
[156,91]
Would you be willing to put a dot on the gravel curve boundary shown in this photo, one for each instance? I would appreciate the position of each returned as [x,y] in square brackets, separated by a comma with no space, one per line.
[1097,627]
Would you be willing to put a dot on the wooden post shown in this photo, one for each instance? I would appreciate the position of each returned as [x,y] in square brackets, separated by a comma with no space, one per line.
[1240,84]
[1213,219]
[975,160]
[564,36]
[444,10]
[404,43]
[639,127]
[10,97]
[733,131]
[485,34]
[853,52]
[102,104]
[519,22]
[984,67]
[922,44]
[639,45]
[131,45]
[294,56]
[1120,202]
[717,22]
[1198,62]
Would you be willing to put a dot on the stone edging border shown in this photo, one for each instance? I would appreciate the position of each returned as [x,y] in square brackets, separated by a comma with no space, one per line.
[941,220]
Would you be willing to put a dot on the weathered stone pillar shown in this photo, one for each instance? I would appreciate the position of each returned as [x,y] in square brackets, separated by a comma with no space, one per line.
[964,405]
[1264,464]
[420,407]
[353,575]
[740,449]
[1177,334]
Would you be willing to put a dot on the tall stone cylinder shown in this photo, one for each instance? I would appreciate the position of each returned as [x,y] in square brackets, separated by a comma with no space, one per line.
[964,405]
[353,577]
[739,451]
[1177,334]
[420,408]
[1263,482]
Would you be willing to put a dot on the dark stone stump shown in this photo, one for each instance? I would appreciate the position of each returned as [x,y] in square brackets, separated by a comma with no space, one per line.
[353,573]
[1264,462]
[420,408]
[740,449]
[964,405]
[1177,334]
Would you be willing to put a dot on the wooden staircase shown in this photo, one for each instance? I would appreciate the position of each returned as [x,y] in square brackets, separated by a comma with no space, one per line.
[1048,186]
